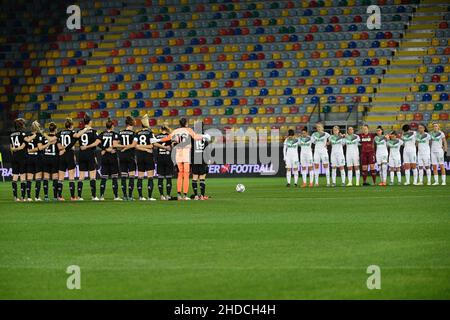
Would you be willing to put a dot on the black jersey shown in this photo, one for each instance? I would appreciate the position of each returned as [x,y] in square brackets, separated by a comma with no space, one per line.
[126,138]
[143,137]
[66,139]
[87,138]
[33,144]
[17,138]
[163,153]
[197,150]
[107,139]
[52,149]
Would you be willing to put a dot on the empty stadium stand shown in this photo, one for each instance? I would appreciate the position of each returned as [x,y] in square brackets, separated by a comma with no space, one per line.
[260,64]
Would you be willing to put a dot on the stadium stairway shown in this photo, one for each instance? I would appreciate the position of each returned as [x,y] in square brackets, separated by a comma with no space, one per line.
[396,101]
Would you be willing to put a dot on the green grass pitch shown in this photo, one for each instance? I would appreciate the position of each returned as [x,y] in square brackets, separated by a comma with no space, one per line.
[267,243]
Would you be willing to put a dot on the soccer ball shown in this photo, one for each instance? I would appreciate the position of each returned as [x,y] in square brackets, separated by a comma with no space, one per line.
[240,188]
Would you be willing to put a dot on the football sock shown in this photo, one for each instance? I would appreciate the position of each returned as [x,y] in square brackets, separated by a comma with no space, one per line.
[392,173]
[55,188]
[333,175]
[46,188]
[295,176]
[384,168]
[202,187]
[316,176]
[161,186]
[93,188]
[115,186]
[131,187]
[327,174]
[102,187]
[14,187]
[23,189]
[415,175]
[311,176]
[304,175]
[399,176]
[288,176]
[357,174]
[343,176]
[37,188]
[194,187]
[150,186]
[72,189]
[60,188]
[444,178]
[186,178]
[139,187]
[436,178]
[429,176]
[169,186]
[350,176]
[80,188]
[123,183]
[364,175]
[407,175]
[28,188]
[373,173]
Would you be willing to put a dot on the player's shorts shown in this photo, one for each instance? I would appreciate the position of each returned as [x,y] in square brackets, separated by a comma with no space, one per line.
[337,159]
[423,159]
[367,158]
[306,160]
[34,164]
[382,158]
[110,164]
[67,161]
[321,156]
[395,162]
[199,169]
[292,162]
[437,157]
[18,164]
[87,161]
[127,163]
[165,167]
[183,155]
[50,164]
[409,157]
[145,161]
[352,159]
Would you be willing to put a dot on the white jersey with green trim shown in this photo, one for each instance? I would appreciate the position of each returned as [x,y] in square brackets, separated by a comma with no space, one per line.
[381,144]
[305,145]
[320,140]
[352,143]
[394,148]
[337,143]
[436,141]
[290,147]
[409,140]
[423,143]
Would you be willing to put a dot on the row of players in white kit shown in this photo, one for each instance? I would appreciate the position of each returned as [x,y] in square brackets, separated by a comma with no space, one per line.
[420,149]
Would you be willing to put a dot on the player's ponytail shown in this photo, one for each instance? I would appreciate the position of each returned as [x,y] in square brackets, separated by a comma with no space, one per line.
[52,127]
[129,121]
[36,127]
[291,132]
[145,122]
[183,122]
[109,124]
[86,119]
[405,128]
[69,123]
[19,124]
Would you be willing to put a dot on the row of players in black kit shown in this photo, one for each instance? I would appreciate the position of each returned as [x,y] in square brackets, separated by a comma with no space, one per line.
[50,156]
